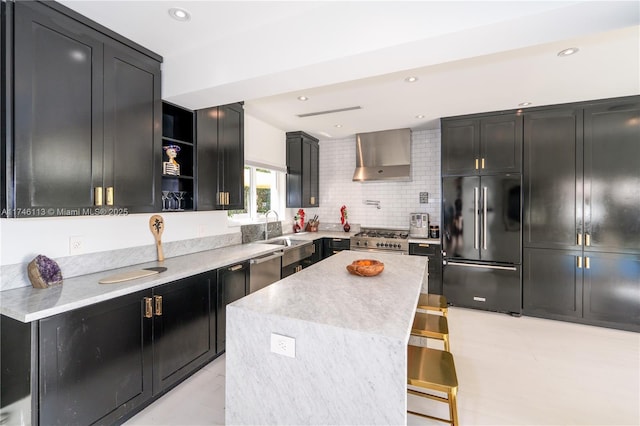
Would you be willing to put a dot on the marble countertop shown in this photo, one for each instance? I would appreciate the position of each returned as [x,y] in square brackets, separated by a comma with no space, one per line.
[326,293]
[28,304]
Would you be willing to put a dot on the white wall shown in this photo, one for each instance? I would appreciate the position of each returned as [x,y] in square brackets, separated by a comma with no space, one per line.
[263,143]
[397,199]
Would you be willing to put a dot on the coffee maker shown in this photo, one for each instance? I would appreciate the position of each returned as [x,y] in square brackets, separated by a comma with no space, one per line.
[419,225]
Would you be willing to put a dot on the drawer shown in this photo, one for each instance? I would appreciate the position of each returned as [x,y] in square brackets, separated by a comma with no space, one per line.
[424,249]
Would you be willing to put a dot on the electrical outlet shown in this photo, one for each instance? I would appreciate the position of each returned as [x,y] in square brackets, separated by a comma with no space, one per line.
[76,245]
[283,345]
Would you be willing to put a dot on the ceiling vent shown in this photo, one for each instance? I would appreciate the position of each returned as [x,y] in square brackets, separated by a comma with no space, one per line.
[331,111]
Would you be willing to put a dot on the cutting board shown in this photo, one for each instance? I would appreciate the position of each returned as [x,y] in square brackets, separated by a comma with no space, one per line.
[131,275]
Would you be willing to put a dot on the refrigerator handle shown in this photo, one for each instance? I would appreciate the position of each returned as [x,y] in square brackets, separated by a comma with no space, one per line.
[476,225]
[484,217]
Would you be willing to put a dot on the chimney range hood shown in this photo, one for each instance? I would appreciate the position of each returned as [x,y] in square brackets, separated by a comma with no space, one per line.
[384,155]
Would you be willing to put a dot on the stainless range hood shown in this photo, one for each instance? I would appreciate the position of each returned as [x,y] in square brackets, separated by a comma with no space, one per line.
[384,155]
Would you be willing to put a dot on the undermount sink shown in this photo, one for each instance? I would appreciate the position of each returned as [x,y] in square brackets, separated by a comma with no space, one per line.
[283,241]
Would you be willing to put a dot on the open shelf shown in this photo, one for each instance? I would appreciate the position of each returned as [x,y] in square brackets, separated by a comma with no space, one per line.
[178,130]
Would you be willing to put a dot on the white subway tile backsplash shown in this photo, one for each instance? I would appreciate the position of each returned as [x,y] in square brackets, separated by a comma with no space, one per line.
[397,199]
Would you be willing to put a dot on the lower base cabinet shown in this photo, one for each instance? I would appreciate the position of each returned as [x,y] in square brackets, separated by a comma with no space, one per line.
[434,253]
[95,362]
[102,363]
[331,246]
[233,284]
[588,287]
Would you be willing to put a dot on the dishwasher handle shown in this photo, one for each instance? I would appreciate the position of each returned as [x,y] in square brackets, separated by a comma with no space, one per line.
[263,259]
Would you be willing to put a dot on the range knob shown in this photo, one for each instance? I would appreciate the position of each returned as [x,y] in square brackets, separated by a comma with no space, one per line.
[377,244]
[366,243]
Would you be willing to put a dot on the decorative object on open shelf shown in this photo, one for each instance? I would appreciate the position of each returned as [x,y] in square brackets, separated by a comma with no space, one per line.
[171,167]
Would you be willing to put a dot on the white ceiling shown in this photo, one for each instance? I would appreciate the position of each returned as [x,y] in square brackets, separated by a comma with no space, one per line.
[468,56]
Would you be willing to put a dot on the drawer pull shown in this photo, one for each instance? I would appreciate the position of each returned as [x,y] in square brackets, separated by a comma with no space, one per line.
[148,308]
[235,268]
[158,300]
[479,299]
[424,245]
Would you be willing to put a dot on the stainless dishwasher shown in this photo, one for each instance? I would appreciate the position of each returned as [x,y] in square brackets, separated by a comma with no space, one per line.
[265,270]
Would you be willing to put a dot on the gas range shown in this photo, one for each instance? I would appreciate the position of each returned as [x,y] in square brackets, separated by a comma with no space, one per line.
[381,240]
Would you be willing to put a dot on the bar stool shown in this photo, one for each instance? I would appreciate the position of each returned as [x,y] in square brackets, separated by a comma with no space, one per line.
[431,326]
[433,370]
[433,302]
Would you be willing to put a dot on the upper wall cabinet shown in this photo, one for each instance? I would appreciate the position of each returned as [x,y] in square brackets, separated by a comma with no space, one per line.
[86,111]
[220,158]
[482,145]
[302,170]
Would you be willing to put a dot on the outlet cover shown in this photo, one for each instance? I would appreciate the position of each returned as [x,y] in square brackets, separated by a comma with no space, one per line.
[283,345]
[76,245]
[424,198]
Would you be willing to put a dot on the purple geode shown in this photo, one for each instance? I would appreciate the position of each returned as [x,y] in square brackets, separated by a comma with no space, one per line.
[49,272]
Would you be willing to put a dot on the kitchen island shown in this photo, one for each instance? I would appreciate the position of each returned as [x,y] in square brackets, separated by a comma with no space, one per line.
[351,336]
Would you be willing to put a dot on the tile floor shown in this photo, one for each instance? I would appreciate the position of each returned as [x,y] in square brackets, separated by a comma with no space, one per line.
[511,371]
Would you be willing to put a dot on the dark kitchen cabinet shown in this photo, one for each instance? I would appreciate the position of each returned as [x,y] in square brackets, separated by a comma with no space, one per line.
[582,208]
[292,268]
[434,253]
[220,158]
[317,254]
[184,328]
[86,109]
[481,145]
[95,362]
[302,170]
[233,284]
[178,130]
[331,246]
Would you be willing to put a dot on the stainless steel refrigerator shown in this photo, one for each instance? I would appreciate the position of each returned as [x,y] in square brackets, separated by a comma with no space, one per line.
[481,241]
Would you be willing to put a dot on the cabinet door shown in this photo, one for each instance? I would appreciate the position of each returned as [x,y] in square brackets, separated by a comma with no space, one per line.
[95,362]
[231,155]
[552,181]
[612,288]
[460,146]
[612,176]
[207,159]
[294,172]
[58,111]
[314,179]
[133,113]
[233,284]
[184,332]
[501,144]
[552,283]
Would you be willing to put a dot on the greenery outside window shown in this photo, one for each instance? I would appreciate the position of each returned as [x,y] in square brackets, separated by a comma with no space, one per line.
[262,192]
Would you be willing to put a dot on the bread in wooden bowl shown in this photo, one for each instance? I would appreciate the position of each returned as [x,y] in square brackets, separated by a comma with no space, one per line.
[365,267]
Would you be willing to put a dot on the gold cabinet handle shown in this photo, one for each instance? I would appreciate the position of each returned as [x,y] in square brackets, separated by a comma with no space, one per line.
[235,268]
[97,196]
[148,308]
[227,203]
[579,239]
[220,198]
[158,300]
[110,195]
[423,245]
[483,163]
[587,240]
[579,262]
[312,201]
[476,164]
[587,262]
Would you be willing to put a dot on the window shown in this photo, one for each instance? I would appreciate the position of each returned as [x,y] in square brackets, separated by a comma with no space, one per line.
[262,192]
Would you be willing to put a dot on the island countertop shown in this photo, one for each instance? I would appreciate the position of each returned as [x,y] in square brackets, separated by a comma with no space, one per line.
[349,336]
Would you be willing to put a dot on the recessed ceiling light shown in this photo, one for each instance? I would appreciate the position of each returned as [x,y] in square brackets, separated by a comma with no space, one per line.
[303,98]
[524,104]
[338,125]
[568,52]
[419,116]
[411,79]
[179,14]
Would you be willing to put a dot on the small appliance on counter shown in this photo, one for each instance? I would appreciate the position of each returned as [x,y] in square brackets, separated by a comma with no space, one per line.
[419,225]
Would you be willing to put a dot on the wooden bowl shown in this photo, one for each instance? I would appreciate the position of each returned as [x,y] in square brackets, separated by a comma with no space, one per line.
[366,267]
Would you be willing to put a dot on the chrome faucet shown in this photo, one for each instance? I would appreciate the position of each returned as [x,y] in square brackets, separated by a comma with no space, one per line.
[266,222]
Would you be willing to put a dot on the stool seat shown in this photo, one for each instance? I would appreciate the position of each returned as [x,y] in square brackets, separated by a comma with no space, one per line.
[433,302]
[433,370]
[431,326]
